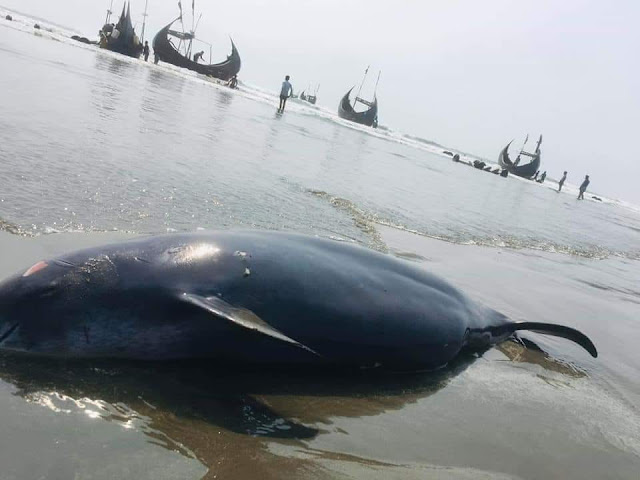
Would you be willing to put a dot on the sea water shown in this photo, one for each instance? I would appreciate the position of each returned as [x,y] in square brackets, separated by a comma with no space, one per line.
[96,147]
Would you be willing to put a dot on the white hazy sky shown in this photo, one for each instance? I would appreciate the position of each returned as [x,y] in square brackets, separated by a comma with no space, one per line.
[466,73]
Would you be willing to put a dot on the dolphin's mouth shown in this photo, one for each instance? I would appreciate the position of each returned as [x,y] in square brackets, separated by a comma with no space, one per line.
[7,333]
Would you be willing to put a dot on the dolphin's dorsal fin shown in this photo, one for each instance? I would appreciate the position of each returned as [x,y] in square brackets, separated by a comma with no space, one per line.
[557,331]
[239,316]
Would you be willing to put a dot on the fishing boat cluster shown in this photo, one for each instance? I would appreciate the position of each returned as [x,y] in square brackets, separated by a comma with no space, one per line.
[507,166]
[121,37]
[176,47]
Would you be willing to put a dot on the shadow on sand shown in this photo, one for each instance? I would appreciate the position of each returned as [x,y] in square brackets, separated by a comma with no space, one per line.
[221,416]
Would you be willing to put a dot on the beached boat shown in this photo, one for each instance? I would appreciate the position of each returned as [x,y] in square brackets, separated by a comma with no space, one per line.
[308,98]
[164,50]
[311,98]
[121,37]
[368,117]
[527,170]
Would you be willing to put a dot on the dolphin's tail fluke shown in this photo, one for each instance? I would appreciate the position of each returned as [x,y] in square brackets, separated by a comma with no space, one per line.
[483,338]
[557,331]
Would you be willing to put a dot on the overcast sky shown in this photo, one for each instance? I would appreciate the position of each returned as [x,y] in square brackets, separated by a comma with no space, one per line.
[466,73]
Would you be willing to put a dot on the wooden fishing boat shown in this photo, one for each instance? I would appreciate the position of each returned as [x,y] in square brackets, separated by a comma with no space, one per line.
[312,98]
[527,170]
[166,51]
[121,37]
[368,117]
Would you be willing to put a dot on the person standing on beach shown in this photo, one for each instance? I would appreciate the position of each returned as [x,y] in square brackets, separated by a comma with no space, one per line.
[583,187]
[562,180]
[145,51]
[285,92]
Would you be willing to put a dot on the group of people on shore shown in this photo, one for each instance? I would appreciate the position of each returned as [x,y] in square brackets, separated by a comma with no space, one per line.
[542,177]
[583,186]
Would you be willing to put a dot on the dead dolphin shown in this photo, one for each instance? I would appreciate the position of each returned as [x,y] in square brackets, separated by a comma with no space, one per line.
[266,297]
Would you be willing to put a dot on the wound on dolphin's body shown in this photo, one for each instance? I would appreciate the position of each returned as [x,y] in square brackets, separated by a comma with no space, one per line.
[41,265]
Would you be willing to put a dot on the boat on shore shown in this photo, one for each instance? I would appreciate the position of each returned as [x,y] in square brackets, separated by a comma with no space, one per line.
[368,117]
[527,170]
[312,99]
[121,37]
[183,56]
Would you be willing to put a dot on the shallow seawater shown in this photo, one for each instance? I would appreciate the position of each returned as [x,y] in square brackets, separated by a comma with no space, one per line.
[95,148]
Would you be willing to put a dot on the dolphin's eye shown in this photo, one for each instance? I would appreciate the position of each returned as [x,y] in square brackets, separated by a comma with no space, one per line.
[41,265]
[49,290]
[64,263]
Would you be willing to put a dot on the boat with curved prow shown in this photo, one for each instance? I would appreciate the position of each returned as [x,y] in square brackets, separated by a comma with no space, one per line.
[165,51]
[368,117]
[121,37]
[526,171]
[311,98]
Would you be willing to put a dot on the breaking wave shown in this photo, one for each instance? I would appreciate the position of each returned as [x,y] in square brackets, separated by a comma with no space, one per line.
[367,221]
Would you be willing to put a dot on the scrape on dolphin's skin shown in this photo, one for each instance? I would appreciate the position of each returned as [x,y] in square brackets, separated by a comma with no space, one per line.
[306,300]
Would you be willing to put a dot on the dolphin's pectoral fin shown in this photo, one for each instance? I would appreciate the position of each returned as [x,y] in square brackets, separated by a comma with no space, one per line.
[240,316]
[557,331]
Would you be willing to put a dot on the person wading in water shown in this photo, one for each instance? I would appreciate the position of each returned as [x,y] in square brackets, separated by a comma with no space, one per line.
[583,187]
[561,182]
[285,92]
[145,51]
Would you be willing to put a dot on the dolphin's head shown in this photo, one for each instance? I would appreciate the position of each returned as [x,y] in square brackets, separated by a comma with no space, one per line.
[41,306]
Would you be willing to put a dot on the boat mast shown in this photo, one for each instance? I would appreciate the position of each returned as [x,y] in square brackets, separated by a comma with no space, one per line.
[376,89]
[109,12]
[517,161]
[182,25]
[525,143]
[363,79]
[536,152]
[538,144]
[193,26]
[144,21]
[193,15]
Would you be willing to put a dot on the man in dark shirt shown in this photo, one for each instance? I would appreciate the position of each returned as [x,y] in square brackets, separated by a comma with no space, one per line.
[198,56]
[562,180]
[145,51]
[583,187]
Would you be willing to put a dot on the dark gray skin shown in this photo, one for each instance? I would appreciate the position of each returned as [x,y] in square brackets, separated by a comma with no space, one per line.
[247,297]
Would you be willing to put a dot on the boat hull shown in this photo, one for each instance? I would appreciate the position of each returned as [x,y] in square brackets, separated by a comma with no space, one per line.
[127,42]
[166,52]
[525,171]
[368,117]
